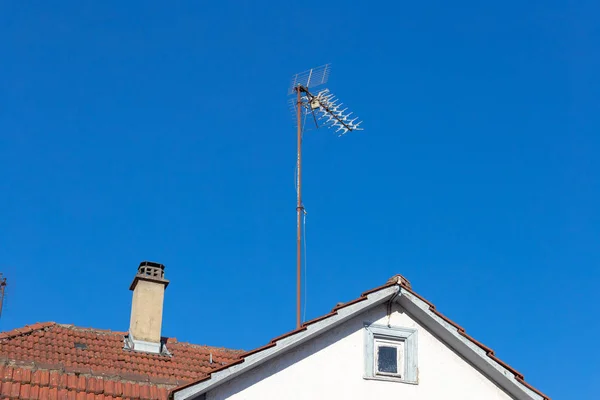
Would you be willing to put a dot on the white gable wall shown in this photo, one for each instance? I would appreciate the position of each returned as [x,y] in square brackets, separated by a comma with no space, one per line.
[331,366]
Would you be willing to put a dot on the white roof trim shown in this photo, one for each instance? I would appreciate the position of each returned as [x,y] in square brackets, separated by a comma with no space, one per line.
[287,343]
[466,348]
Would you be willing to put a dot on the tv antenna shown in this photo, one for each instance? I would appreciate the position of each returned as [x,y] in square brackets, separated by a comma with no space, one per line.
[2,288]
[326,109]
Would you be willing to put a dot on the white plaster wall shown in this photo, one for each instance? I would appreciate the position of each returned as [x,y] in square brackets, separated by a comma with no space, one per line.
[332,367]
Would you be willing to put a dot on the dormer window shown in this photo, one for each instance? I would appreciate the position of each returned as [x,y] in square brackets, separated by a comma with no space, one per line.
[391,353]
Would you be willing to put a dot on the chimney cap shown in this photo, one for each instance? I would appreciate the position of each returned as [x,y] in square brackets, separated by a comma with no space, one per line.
[152,264]
[150,271]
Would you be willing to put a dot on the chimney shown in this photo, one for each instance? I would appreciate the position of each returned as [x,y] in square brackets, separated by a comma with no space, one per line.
[148,288]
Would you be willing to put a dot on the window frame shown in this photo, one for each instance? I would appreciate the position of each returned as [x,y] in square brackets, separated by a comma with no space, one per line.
[400,357]
[406,341]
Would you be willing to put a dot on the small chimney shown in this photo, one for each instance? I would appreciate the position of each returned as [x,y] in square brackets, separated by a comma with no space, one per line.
[148,288]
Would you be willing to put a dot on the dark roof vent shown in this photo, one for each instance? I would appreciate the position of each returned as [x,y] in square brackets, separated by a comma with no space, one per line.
[80,346]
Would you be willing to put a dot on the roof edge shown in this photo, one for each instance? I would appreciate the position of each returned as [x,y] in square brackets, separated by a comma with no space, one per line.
[287,341]
[27,329]
[461,334]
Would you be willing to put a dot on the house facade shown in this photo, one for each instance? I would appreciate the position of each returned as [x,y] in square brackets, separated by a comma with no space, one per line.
[389,342]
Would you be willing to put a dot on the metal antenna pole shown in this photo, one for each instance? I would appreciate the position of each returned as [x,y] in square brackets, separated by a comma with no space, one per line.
[299,209]
[2,287]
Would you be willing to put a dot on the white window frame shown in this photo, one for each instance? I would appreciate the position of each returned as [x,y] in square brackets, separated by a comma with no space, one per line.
[399,346]
[405,339]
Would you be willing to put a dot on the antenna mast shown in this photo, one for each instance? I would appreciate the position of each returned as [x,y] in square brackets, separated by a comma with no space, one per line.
[2,287]
[329,111]
[299,210]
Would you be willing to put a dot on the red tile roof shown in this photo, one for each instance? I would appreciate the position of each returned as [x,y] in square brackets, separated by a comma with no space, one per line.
[49,360]
[395,280]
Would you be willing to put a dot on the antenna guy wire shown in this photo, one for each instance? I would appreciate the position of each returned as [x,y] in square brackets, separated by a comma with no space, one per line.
[305,267]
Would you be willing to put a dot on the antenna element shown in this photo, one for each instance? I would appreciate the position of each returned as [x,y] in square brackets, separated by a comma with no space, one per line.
[311,78]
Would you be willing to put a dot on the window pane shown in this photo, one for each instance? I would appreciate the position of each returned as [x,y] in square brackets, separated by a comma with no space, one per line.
[387,359]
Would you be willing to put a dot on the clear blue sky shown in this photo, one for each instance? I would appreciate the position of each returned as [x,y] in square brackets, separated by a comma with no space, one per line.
[151,131]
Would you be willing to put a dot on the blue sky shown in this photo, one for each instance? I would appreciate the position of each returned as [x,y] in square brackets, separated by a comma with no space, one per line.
[140,131]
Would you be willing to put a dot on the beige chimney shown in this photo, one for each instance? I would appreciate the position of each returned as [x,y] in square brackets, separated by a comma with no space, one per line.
[146,307]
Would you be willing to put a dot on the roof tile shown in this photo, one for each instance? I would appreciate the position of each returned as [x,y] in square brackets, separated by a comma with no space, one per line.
[24,330]
[118,389]
[154,392]
[25,391]
[53,378]
[128,390]
[52,394]
[7,373]
[6,389]
[81,383]
[44,392]
[145,392]
[162,393]
[109,387]
[63,381]
[22,375]
[15,390]
[64,394]
[34,392]
[94,385]
[40,377]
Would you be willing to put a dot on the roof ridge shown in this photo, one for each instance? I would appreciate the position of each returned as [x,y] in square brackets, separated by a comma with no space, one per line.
[169,340]
[206,346]
[27,329]
[91,329]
